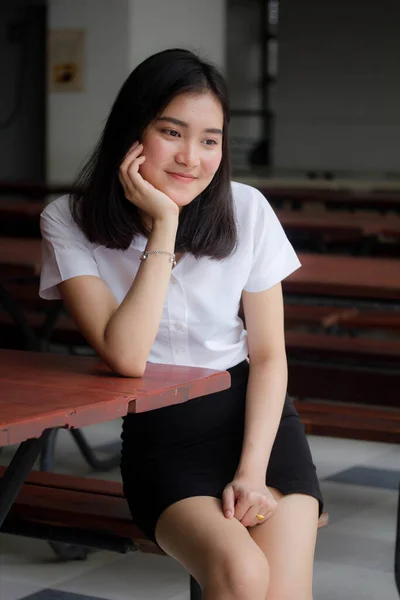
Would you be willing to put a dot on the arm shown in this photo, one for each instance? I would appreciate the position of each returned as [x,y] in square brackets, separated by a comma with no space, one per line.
[267,379]
[123,335]
[247,495]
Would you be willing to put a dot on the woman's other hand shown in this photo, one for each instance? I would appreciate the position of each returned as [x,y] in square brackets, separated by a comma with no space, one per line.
[244,499]
[140,192]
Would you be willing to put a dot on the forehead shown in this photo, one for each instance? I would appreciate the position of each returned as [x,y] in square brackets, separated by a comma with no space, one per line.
[202,108]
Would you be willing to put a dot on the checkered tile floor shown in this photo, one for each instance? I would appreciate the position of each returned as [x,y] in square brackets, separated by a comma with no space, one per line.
[354,557]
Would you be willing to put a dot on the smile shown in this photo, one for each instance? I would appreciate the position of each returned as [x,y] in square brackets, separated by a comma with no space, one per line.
[182,178]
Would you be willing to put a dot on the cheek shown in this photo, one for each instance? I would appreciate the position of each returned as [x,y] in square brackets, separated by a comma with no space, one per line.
[155,153]
[154,150]
[211,164]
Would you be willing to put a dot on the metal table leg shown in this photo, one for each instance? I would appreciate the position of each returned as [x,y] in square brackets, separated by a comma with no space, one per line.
[96,463]
[195,590]
[17,471]
[47,458]
[47,463]
[48,453]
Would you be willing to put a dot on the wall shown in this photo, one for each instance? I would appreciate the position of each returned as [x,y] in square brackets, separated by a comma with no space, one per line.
[195,24]
[22,99]
[75,119]
[338,89]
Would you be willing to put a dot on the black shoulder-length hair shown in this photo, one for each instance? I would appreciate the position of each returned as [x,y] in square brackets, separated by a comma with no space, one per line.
[207,226]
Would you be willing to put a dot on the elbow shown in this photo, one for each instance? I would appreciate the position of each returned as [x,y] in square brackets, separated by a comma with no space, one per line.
[128,368]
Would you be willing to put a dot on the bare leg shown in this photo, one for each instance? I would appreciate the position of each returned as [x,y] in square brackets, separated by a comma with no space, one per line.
[288,542]
[218,552]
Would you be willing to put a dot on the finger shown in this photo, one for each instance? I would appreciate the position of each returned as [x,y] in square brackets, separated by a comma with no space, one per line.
[241,508]
[132,175]
[129,173]
[249,519]
[131,156]
[266,511]
[228,502]
[134,147]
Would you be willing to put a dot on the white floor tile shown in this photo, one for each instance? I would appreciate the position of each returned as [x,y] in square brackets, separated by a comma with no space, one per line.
[15,590]
[332,455]
[34,562]
[344,582]
[134,577]
[388,459]
[377,522]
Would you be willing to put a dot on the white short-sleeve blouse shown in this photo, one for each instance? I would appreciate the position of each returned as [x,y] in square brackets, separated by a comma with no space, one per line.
[200,325]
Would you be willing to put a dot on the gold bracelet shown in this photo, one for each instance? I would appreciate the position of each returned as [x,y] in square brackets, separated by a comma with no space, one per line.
[146,253]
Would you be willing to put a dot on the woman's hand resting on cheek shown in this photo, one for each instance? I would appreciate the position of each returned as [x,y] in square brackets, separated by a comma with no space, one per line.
[140,192]
[244,498]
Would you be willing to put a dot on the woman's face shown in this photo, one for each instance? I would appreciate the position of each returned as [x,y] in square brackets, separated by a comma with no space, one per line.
[183,147]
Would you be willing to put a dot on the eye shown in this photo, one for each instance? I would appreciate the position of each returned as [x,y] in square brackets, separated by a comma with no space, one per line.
[171,132]
[210,142]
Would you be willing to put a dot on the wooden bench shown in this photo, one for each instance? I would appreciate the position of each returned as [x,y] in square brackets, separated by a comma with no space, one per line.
[309,316]
[88,512]
[357,380]
[339,419]
[91,505]
[366,350]
[360,320]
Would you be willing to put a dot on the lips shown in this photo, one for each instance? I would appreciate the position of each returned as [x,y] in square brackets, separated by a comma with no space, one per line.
[186,178]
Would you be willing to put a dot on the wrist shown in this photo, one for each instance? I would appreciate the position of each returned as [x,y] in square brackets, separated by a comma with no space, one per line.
[253,472]
[168,219]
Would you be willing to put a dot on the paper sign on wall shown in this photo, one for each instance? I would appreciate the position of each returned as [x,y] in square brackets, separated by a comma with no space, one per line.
[65,60]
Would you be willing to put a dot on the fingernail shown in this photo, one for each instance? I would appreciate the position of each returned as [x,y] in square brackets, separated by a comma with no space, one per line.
[228,514]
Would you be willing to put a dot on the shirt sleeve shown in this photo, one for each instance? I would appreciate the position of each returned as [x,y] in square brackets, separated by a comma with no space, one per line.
[65,253]
[273,255]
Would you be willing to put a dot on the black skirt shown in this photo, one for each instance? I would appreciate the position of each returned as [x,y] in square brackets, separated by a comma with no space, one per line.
[193,449]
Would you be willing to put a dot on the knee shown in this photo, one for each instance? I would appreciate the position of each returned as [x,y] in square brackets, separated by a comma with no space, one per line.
[244,577]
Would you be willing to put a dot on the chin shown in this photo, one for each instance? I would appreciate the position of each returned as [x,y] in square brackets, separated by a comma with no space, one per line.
[179,198]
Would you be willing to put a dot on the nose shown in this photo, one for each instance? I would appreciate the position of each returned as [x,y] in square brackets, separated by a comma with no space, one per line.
[188,155]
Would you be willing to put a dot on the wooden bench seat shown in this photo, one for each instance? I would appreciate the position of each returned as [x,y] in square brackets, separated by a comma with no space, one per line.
[356,320]
[75,502]
[349,420]
[324,317]
[357,378]
[343,348]
[81,505]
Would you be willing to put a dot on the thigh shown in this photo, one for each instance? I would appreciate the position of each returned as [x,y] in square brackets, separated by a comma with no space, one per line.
[195,532]
[288,542]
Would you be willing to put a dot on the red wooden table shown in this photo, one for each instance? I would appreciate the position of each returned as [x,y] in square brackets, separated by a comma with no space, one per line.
[40,392]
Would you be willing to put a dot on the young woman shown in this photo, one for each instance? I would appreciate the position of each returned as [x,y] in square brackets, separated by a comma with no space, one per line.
[152,255]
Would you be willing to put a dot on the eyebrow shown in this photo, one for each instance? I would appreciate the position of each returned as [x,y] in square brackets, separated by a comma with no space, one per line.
[183,124]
